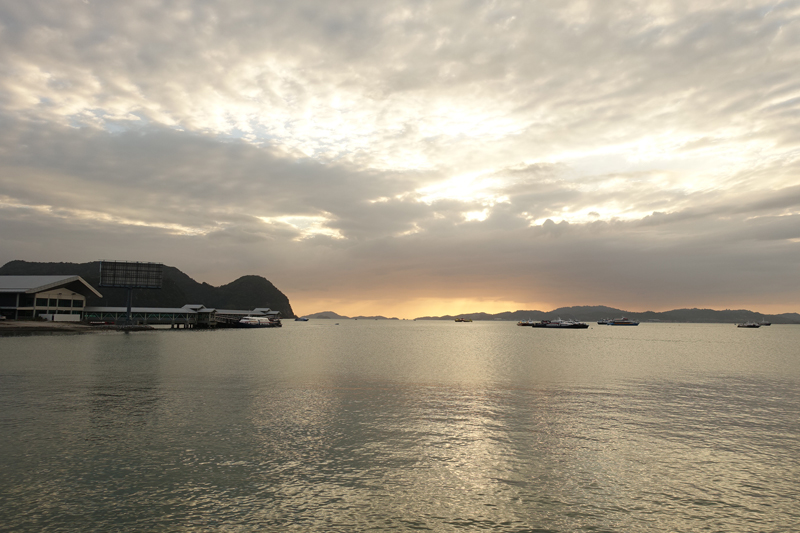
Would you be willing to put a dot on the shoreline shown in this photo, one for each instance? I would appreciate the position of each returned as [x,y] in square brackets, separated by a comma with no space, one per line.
[32,327]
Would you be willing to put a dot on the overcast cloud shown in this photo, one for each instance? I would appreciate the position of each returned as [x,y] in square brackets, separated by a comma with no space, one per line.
[409,158]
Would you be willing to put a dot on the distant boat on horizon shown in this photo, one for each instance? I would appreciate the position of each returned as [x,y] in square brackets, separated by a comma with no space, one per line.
[622,322]
[560,324]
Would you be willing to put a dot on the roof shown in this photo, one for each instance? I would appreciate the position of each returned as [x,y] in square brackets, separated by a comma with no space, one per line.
[253,312]
[34,284]
[162,310]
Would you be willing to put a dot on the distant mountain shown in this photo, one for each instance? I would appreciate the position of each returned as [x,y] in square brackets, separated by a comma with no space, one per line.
[178,289]
[594,313]
[331,314]
[326,314]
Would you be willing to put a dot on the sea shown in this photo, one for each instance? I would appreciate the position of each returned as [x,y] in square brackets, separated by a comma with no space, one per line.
[399,425]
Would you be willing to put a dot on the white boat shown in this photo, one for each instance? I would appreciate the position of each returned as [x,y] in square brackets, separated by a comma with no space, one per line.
[604,321]
[622,322]
[558,323]
[258,322]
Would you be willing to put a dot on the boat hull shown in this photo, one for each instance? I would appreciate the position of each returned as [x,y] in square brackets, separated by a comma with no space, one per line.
[559,325]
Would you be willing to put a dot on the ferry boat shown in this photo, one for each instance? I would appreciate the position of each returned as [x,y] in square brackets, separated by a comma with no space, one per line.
[604,321]
[258,322]
[748,325]
[622,322]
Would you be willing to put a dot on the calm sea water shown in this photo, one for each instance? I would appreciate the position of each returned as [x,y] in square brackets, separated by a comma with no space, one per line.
[401,425]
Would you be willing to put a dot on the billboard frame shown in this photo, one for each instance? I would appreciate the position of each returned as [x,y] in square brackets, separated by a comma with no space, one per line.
[131,275]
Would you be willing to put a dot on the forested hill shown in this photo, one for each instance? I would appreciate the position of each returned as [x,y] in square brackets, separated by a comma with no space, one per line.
[247,292]
[594,313]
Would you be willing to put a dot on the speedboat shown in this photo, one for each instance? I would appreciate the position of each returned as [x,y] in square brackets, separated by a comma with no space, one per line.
[622,322]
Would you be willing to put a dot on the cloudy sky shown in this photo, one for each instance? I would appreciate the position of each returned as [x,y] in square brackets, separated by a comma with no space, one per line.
[412,158]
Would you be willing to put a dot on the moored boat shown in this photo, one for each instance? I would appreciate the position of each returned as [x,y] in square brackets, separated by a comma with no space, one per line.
[258,322]
[622,322]
[558,323]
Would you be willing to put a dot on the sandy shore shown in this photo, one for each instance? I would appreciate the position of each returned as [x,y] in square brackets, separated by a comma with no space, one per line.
[33,327]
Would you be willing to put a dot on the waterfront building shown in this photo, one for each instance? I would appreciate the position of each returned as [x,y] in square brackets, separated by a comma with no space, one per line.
[58,298]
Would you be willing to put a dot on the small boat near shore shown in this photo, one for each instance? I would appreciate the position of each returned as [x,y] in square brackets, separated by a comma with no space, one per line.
[622,322]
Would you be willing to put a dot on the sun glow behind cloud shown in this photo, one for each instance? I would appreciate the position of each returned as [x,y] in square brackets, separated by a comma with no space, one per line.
[305,226]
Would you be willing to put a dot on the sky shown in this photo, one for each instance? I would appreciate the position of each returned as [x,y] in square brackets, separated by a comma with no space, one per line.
[412,158]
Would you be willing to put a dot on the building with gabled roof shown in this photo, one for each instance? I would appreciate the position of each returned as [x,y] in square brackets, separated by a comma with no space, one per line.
[55,297]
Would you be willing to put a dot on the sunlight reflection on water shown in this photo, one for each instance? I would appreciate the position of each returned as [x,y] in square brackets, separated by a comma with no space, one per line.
[402,425]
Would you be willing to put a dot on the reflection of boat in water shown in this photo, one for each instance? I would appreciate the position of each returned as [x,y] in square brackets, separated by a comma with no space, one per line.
[301,319]
[622,322]
[748,325]
[563,324]
[463,319]
[258,322]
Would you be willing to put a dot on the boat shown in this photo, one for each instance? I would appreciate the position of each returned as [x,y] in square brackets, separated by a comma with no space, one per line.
[463,319]
[622,322]
[748,325]
[301,319]
[604,321]
[258,322]
[764,323]
[558,323]
[525,323]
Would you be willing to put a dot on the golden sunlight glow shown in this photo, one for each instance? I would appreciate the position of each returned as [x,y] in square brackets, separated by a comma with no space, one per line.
[478,216]
[409,309]
[307,226]
[96,216]
[473,187]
